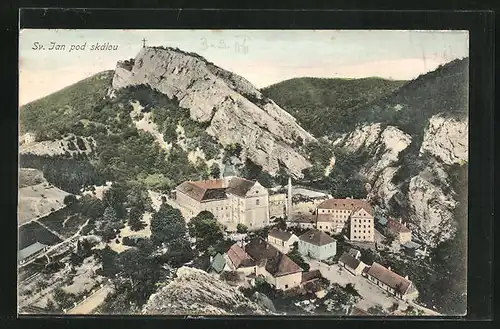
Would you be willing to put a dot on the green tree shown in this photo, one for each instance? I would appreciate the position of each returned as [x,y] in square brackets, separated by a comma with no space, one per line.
[207,231]
[135,219]
[376,310]
[109,215]
[70,199]
[167,225]
[241,228]
[215,170]
[108,259]
[298,259]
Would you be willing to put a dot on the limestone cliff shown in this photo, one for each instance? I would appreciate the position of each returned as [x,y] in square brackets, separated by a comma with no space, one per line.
[425,198]
[195,292]
[236,110]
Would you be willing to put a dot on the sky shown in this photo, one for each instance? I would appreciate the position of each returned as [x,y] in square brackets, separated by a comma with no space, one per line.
[263,57]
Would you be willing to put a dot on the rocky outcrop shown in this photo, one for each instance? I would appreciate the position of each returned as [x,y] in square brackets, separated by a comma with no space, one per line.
[70,144]
[431,204]
[383,144]
[236,110]
[195,292]
[426,196]
[446,139]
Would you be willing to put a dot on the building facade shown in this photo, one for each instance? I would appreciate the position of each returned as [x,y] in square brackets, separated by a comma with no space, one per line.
[282,240]
[260,258]
[391,282]
[399,231]
[232,200]
[333,215]
[317,244]
[277,205]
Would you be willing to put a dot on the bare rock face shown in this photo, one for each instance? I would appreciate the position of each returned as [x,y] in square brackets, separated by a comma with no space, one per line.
[383,145]
[431,205]
[58,147]
[195,292]
[236,110]
[446,139]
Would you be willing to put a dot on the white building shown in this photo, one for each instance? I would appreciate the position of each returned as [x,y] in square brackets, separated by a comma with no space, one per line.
[282,240]
[232,200]
[335,214]
[317,244]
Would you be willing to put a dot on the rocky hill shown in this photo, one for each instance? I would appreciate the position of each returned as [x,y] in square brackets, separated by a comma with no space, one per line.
[234,111]
[416,139]
[195,292]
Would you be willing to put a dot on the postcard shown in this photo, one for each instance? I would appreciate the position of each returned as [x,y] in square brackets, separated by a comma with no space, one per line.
[243,172]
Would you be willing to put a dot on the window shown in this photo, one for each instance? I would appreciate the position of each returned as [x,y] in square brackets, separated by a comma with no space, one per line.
[320,226]
[286,286]
[257,202]
[364,231]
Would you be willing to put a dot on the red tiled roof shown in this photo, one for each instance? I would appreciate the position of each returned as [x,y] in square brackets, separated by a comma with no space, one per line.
[346,204]
[391,279]
[215,189]
[239,257]
[395,226]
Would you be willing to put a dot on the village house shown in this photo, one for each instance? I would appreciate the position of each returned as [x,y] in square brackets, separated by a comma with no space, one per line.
[391,282]
[282,240]
[31,252]
[333,215]
[317,244]
[260,258]
[351,263]
[398,230]
[232,200]
[303,221]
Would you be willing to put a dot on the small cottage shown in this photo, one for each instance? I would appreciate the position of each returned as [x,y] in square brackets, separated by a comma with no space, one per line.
[317,244]
[282,240]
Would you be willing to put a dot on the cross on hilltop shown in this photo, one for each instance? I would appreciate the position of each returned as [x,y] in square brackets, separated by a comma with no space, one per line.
[144,43]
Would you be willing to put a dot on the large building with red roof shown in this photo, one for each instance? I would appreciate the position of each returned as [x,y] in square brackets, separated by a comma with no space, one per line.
[232,200]
[333,215]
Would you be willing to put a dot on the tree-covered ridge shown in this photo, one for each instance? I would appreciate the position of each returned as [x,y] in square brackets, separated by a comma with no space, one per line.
[320,104]
[52,116]
[443,91]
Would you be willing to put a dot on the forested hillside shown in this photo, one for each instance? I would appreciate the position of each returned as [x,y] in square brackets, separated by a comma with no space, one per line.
[322,105]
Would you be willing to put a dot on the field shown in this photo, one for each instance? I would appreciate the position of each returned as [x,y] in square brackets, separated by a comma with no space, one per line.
[33,232]
[38,200]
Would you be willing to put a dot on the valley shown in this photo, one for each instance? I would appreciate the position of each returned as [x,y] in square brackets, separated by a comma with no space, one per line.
[133,182]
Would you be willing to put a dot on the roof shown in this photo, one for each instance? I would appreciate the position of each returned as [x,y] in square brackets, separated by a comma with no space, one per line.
[274,261]
[411,245]
[215,189]
[311,275]
[316,237]
[240,186]
[391,279]
[358,311]
[218,263]
[204,190]
[30,250]
[279,234]
[397,227]
[346,204]
[239,257]
[349,260]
